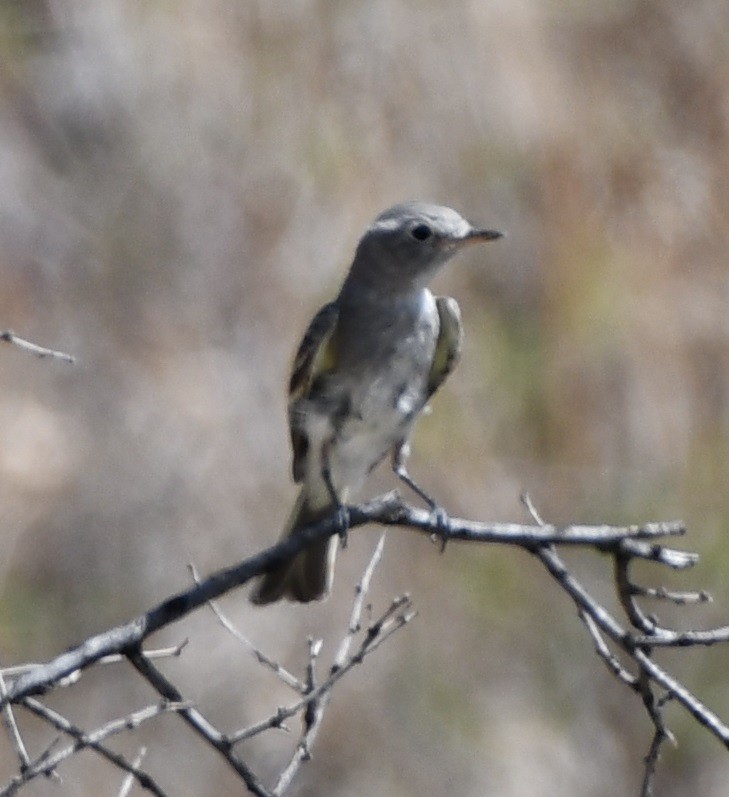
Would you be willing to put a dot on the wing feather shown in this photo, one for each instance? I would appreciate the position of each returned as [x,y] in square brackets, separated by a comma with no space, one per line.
[315,355]
[449,344]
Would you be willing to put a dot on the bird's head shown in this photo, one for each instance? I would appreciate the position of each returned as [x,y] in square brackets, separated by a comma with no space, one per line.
[408,243]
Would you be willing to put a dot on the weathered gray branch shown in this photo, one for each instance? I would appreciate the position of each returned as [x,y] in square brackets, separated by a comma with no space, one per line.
[636,639]
[386,510]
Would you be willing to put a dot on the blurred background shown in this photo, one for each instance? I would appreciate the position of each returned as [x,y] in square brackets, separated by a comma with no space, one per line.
[182,185]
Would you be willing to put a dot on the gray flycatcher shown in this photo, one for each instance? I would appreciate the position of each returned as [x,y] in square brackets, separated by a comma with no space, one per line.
[367,365]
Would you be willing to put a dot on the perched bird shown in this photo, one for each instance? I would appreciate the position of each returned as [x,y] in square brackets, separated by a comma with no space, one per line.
[366,367]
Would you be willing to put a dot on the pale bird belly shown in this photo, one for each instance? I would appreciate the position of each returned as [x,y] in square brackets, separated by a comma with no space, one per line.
[361,445]
[361,440]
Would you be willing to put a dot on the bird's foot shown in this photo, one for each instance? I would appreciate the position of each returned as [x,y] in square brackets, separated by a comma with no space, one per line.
[342,518]
[442,532]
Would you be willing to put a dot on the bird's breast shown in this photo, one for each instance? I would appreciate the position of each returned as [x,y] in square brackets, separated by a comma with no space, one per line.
[386,355]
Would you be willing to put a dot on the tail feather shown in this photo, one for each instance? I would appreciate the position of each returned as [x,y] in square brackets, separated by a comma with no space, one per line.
[308,577]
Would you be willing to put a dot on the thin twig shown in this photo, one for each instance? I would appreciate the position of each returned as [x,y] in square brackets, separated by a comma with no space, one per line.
[385,625]
[44,755]
[604,652]
[679,597]
[654,706]
[526,500]
[661,734]
[113,658]
[197,722]
[319,697]
[631,645]
[665,638]
[315,646]
[128,781]
[627,595]
[635,647]
[9,336]
[288,678]
[92,740]
[360,593]
[12,728]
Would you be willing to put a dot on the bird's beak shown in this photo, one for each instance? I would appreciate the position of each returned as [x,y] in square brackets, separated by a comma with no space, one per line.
[474,236]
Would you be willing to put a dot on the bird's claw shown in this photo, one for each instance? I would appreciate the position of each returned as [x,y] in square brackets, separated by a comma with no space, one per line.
[442,532]
[343,523]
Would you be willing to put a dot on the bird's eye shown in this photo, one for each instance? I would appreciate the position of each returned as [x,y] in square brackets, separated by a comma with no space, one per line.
[421,233]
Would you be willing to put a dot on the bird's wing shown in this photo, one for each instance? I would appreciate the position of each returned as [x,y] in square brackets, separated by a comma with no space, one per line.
[449,344]
[314,356]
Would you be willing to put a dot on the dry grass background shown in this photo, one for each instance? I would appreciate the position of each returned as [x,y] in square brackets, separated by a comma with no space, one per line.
[182,185]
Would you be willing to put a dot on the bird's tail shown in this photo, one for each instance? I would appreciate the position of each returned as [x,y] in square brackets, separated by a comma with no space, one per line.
[307,577]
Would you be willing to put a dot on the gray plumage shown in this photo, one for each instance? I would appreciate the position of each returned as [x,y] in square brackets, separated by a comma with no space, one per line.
[366,367]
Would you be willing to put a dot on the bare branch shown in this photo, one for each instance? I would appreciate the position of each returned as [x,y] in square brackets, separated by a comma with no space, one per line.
[48,762]
[196,721]
[700,712]
[319,697]
[609,626]
[386,510]
[341,664]
[636,640]
[597,620]
[113,658]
